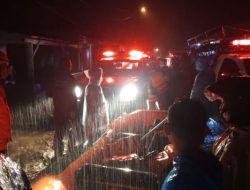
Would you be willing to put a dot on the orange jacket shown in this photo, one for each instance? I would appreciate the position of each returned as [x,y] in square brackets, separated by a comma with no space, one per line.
[5,120]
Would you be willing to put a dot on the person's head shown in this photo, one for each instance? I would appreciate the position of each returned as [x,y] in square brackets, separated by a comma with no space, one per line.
[235,110]
[233,93]
[4,71]
[187,125]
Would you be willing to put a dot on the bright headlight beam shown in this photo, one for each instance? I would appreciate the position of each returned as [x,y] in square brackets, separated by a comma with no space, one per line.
[78,91]
[128,93]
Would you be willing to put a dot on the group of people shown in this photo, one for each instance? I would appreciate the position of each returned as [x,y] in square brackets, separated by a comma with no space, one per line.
[67,121]
[61,89]
[227,166]
[191,97]
[166,84]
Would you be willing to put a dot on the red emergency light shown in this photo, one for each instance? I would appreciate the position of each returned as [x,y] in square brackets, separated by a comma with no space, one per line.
[107,59]
[135,55]
[241,42]
[110,80]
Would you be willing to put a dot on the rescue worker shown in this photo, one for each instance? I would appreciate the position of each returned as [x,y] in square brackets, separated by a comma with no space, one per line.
[95,109]
[193,168]
[159,95]
[65,104]
[232,148]
[204,78]
[5,115]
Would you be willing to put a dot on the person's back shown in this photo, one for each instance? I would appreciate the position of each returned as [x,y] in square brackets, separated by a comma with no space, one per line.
[204,78]
[95,109]
[63,94]
[159,88]
[193,168]
[194,172]
[64,101]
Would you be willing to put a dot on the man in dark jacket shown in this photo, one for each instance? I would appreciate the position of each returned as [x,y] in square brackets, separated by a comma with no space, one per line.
[204,78]
[192,167]
[65,104]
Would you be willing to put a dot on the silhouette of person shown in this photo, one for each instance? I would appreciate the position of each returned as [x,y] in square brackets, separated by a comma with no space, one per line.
[232,148]
[65,104]
[204,78]
[193,168]
[95,109]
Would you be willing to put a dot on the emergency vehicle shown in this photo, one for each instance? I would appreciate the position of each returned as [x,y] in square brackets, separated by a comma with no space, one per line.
[228,50]
[122,82]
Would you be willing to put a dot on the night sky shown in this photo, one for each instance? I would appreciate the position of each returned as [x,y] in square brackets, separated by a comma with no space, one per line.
[168,23]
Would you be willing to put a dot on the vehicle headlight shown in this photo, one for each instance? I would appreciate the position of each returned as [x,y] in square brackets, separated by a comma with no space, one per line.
[128,93]
[78,91]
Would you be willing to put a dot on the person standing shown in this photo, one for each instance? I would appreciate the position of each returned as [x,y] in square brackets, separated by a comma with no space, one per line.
[193,168]
[5,115]
[203,79]
[159,93]
[95,109]
[64,102]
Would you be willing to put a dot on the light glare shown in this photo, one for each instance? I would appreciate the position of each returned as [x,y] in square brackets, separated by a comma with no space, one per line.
[143,10]
[128,93]
[110,80]
[135,55]
[108,53]
[78,91]
[243,42]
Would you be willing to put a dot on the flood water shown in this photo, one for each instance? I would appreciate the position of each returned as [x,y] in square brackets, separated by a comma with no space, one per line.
[32,136]
[32,150]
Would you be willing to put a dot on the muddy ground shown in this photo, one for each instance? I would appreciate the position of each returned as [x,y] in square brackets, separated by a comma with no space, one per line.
[32,150]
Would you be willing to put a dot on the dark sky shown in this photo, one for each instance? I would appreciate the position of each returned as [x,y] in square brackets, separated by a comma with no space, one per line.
[167,25]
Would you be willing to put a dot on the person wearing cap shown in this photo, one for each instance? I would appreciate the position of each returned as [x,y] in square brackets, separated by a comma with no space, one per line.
[193,168]
[5,114]
[95,109]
